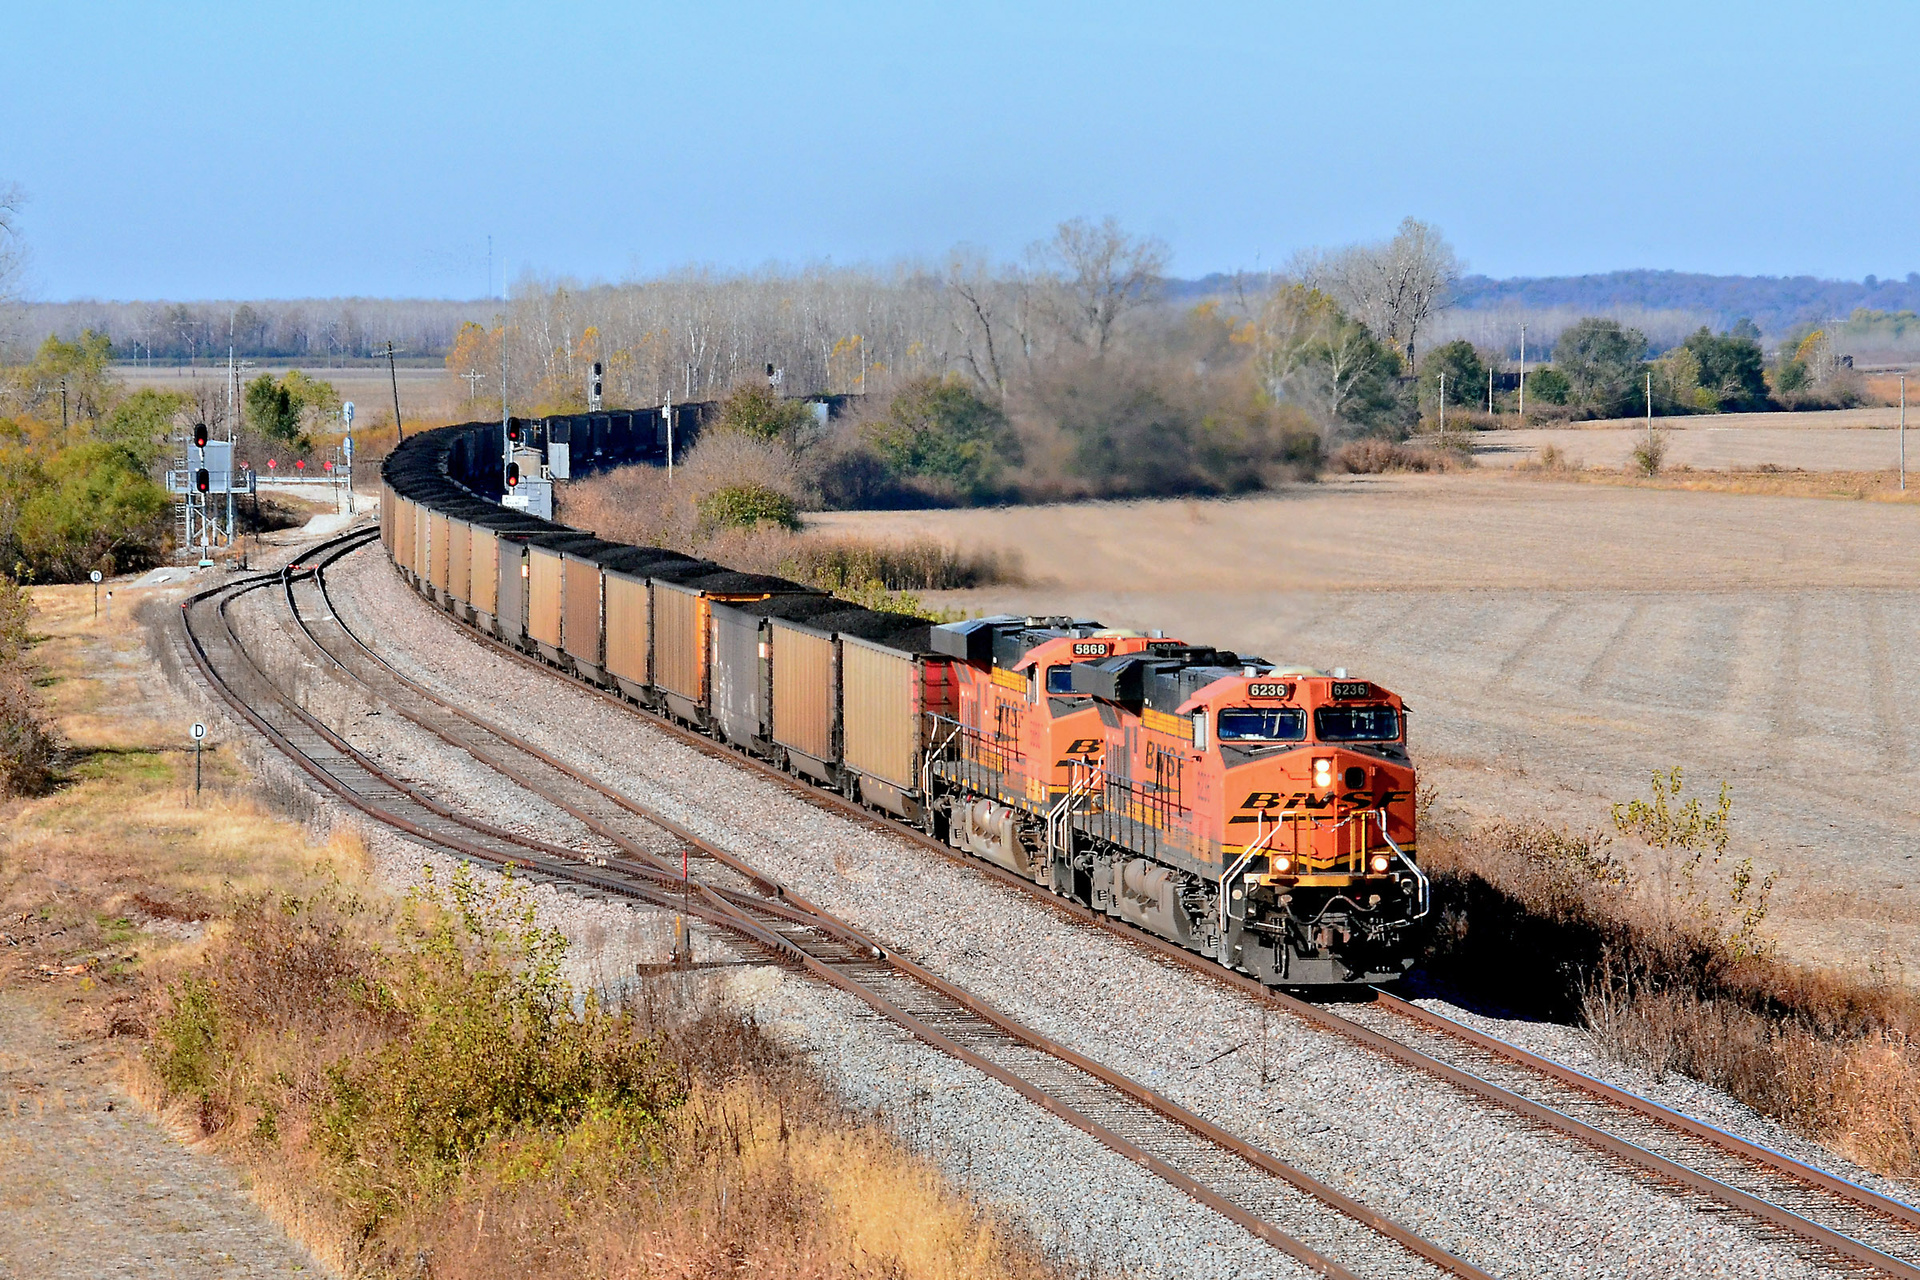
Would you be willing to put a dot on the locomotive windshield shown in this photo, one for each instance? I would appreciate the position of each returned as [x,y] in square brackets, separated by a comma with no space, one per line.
[1262,724]
[1355,724]
[1060,679]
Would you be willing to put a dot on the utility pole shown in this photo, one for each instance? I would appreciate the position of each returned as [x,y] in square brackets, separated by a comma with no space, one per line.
[506,422]
[666,412]
[1489,391]
[1523,375]
[398,432]
[1649,413]
[1903,433]
[1443,402]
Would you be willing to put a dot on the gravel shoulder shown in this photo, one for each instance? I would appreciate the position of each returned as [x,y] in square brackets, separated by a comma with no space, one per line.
[1476,1181]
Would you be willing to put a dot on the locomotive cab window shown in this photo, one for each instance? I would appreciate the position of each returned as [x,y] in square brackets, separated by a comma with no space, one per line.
[1060,680]
[1356,724]
[1262,724]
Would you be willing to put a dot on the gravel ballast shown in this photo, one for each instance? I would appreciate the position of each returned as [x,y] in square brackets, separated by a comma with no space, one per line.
[1473,1179]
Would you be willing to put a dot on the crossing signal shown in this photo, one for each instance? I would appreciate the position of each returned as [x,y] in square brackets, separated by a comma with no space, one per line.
[199,435]
[513,475]
[202,481]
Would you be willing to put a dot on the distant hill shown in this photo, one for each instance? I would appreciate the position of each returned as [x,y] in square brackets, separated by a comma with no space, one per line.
[1775,303]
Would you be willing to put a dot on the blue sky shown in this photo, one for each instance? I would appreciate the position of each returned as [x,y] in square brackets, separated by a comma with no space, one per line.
[263,150]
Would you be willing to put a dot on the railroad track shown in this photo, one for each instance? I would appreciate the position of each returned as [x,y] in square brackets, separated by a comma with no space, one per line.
[1831,1220]
[1272,1200]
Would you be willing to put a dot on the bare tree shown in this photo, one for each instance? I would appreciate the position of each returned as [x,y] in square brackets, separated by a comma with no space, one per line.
[1098,274]
[12,249]
[1392,287]
[12,260]
[979,294]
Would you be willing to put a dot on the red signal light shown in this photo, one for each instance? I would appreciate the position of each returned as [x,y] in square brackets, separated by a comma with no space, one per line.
[513,475]
[199,435]
[202,481]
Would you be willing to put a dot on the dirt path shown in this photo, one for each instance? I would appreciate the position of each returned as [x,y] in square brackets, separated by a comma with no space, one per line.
[90,1185]
[93,1186]
[1558,642]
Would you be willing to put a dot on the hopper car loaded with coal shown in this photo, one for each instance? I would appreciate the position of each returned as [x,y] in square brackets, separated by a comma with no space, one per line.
[1259,815]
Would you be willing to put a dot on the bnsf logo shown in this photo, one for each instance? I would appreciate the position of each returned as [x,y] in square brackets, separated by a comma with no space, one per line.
[1088,650]
[1268,690]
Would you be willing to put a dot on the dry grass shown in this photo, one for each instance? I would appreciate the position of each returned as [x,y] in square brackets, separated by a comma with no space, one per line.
[266,979]
[1670,968]
[1766,479]
[417,1090]
[1376,457]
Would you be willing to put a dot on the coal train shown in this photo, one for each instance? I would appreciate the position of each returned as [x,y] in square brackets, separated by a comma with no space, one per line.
[1260,815]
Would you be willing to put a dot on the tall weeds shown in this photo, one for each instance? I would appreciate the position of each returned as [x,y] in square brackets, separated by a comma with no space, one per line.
[26,741]
[418,1092]
[1667,962]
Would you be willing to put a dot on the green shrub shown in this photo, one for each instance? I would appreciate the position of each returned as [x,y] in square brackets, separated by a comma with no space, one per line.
[745,506]
[938,430]
[143,422]
[86,507]
[1548,386]
[408,1061]
[757,412]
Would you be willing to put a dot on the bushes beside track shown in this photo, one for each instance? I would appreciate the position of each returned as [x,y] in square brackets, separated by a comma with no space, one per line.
[418,1092]
[1671,972]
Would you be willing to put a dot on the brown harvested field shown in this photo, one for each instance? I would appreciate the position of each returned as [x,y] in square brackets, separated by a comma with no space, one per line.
[423,392]
[1842,440]
[1558,641]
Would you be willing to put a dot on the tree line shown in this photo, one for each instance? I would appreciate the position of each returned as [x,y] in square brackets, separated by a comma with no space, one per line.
[82,458]
[1601,368]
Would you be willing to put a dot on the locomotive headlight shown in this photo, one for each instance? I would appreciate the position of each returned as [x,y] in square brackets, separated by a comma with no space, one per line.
[1323,773]
[1378,862]
[1282,865]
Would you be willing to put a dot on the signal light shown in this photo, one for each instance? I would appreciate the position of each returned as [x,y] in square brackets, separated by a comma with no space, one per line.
[199,435]
[202,481]
[513,474]
[513,433]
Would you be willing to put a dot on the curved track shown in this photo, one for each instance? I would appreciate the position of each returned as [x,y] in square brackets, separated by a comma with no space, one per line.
[1837,1222]
[1234,1178]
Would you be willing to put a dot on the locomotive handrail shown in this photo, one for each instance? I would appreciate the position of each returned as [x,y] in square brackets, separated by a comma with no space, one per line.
[1225,878]
[1424,896]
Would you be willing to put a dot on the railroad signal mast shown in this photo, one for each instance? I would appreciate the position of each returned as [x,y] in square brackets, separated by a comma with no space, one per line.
[204,482]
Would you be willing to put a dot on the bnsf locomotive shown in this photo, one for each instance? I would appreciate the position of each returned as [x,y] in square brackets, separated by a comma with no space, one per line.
[1260,815]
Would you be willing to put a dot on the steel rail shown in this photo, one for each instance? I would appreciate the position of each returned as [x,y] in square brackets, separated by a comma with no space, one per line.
[1807,1180]
[1673,1172]
[973,1005]
[736,916]
[977,1007]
